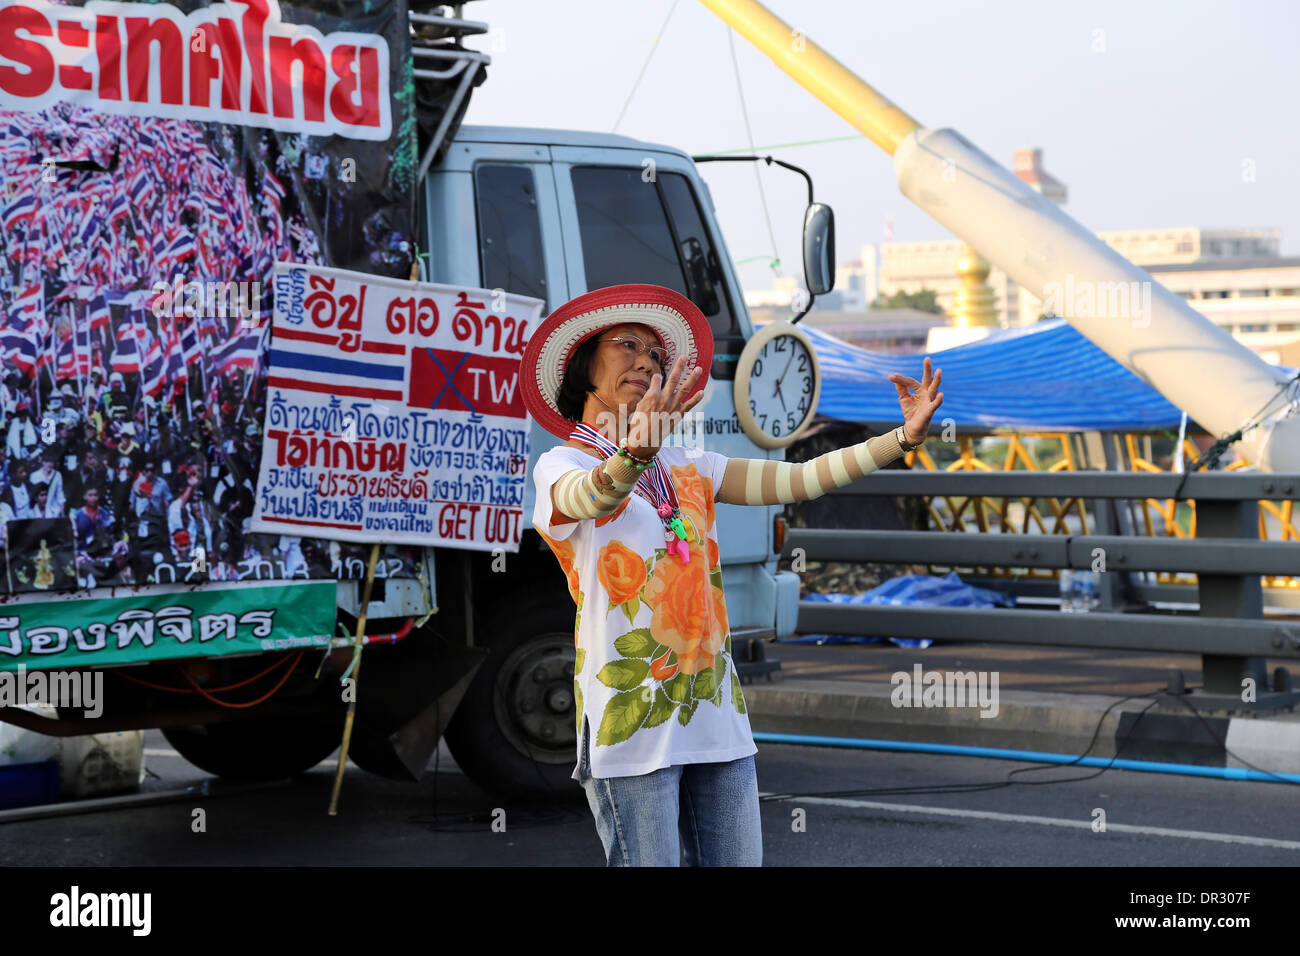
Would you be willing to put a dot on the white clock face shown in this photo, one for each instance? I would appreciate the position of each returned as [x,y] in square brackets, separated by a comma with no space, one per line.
[782,386]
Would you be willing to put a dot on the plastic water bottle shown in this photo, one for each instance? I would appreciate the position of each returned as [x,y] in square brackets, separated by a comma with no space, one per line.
[1069,582]
[1088,589]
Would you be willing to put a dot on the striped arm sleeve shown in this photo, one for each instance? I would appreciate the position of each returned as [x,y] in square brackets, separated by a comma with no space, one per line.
[755,481]
[594,493]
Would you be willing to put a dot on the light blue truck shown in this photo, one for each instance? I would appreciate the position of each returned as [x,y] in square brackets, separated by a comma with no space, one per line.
[478,647]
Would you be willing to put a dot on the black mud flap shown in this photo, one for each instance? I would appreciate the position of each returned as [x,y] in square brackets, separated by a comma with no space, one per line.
[406,696]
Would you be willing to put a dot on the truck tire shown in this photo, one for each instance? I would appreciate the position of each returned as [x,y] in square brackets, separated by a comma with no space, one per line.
[514,732]
[257,748]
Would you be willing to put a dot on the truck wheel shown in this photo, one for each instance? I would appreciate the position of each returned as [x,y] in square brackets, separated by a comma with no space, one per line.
[257,748]
[514,732]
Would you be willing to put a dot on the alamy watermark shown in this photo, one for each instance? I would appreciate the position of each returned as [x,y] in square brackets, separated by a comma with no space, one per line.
[71,690]
[953,689]
[77,909]
[655,429]
[221,299]
[1088,299]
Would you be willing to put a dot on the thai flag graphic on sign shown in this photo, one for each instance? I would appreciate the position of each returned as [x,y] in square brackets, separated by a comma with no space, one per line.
[393,411]
[312,361]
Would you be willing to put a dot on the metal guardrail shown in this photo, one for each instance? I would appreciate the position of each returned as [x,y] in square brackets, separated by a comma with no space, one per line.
[1228,558]
[1201,486]
[1050,551]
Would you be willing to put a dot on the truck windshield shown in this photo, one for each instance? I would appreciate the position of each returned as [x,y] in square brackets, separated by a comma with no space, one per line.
[638,231]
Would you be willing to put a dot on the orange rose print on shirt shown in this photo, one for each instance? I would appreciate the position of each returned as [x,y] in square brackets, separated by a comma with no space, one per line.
[563,551]
[689,615]
[660,669]
[720,614]
[621,570]
[600,522]
[694,496]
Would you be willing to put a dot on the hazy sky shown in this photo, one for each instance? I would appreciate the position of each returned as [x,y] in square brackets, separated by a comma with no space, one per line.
[1154,129]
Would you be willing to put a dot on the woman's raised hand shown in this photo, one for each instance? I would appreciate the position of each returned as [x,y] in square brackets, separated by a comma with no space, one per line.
[661,409]
[918,409]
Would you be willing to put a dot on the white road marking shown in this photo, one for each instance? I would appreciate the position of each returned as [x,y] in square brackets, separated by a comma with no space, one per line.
[159,752]
[1051,821]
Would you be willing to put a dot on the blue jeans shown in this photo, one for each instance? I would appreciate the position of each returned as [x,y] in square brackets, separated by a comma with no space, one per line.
[697,814]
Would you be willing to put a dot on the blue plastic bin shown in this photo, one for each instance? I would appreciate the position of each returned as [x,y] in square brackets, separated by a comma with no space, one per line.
[29,784]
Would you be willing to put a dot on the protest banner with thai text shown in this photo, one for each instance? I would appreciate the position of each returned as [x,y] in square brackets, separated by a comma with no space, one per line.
[393,411]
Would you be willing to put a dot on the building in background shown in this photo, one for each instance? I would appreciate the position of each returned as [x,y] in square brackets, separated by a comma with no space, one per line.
[1028,167]
[1256,298]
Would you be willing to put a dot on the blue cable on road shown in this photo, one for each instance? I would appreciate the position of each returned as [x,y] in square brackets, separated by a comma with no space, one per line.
[1044,760]
[1148,766]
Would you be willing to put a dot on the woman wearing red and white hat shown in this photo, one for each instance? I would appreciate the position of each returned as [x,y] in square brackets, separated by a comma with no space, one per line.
[670,773]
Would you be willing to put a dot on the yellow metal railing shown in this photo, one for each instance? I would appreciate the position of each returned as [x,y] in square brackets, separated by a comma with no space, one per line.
[1016,515]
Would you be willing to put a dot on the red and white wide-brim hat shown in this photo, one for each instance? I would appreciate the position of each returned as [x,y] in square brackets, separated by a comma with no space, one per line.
[680,325]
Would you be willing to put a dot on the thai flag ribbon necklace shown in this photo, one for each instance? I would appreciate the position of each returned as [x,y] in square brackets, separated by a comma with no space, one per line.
[653,483]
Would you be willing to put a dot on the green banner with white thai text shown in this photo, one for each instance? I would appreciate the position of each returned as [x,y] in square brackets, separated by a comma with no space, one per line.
[165,624]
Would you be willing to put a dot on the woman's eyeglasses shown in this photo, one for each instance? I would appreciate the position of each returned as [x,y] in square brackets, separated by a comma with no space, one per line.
[634,346]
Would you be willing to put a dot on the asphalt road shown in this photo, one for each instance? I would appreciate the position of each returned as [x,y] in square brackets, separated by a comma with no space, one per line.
[1150,819]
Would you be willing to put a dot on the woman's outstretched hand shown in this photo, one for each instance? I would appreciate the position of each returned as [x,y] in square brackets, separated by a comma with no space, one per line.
[662,408]
[918,408]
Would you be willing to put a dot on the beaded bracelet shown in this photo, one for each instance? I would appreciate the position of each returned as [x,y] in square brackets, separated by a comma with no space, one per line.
[640,464]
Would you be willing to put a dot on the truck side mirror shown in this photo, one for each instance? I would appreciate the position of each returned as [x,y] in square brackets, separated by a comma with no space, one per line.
[819,248]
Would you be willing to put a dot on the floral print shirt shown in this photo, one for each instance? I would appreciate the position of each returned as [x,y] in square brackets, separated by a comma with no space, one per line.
[654,680]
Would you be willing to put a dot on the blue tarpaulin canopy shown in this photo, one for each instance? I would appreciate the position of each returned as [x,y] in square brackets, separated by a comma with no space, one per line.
[1045,376]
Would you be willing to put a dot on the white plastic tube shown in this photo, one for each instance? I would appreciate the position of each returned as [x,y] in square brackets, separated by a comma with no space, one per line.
[1194,363]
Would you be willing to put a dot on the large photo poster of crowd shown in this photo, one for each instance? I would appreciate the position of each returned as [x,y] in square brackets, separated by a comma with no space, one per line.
[155,161]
